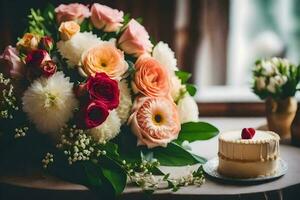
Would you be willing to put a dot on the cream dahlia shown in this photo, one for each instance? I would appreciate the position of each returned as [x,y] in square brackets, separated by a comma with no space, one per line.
[125,105]
[163,54]
[73,49]
[188,109]
[155,121]
[50,102]
[108,129]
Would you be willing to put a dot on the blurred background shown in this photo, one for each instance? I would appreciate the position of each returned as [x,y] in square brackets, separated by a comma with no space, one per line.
[217,40]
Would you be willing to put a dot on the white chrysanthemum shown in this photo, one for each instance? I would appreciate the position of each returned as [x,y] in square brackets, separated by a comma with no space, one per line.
[108,129]
[188,109]
[165,56]
[50,102]
[73,49]
[125,105]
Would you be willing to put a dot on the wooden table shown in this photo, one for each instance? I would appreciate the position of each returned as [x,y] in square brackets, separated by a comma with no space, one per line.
[38,186]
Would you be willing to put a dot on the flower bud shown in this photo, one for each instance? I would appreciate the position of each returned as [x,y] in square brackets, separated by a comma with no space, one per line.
[48,68]
[46,43]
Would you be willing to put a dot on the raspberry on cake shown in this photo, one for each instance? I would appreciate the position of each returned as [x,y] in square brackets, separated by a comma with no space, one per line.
[248,153]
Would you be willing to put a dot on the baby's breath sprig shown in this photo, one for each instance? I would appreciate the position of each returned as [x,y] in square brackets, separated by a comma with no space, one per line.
[77,145]
[21,132]
[141,174]
[47,160]
[8,102]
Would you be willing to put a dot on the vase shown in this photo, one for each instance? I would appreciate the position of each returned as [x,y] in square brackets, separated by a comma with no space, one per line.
[280,115]
[296,129]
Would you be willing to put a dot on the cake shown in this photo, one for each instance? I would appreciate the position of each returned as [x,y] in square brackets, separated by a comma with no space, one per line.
[248,154]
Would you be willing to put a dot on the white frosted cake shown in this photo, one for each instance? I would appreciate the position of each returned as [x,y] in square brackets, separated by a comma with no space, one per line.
[247,158]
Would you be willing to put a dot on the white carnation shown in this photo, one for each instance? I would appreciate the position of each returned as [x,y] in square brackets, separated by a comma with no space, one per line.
[188,109]
[50,102]
[165,56]
[73,49]
[108,129]
[125,105]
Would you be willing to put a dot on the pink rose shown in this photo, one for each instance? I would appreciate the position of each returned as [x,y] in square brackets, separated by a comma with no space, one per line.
[135,39]
[14,66]
[155,121]
[106,18]
[72,12]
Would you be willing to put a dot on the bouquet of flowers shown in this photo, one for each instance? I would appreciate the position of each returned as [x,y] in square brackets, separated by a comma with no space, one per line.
[276,78]
[86,94]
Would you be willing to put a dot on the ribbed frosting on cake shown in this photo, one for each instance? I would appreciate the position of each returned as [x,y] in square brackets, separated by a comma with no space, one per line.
[245,158]
[262,147]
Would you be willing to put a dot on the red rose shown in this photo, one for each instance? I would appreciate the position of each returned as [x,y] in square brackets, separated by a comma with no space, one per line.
[104,89]
[37,57]
[48,68]
[93,114]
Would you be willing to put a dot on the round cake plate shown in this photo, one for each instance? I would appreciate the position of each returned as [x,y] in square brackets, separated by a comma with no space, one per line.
[211,166]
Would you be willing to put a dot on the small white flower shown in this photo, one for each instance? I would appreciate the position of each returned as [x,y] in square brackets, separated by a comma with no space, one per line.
[165,56]
[188,109]
[260,83]
[108,129]
[73,49]
[50,102]
[125,105]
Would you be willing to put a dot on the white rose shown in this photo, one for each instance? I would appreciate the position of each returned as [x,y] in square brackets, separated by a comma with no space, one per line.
[165,56]
[260,83]
[188,109]
[268,68]
[280,80]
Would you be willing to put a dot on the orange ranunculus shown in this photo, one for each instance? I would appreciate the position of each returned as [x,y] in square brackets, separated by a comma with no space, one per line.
[68,29]
[104,58]
[151,79]
[155,122]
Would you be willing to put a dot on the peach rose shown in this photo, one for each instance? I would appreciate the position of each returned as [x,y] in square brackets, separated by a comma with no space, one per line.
[29,42]
[106,18]
[135,39]
[72,12]
[155,122]
[68,29]
[104,58]
[151,79]
[13,65]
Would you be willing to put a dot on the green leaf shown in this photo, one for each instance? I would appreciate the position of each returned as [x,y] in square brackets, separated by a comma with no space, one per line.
[200,159]
[191,89]
[115,174]
[93,174]
[174,155]
[183,76]
[193,131]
